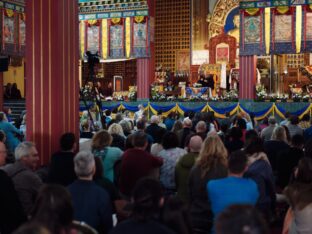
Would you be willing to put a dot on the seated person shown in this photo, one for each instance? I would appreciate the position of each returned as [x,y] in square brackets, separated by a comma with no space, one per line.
[170,86]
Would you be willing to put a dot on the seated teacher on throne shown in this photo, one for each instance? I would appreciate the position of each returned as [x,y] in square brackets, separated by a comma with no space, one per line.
[207,81]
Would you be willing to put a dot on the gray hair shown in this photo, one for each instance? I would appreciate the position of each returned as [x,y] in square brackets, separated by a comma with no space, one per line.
[23,149]
[84,163]
[279,134]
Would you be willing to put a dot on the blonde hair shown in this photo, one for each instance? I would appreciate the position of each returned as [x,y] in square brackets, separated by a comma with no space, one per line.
[101,140]
[116,129]
[212,153]
[279,134]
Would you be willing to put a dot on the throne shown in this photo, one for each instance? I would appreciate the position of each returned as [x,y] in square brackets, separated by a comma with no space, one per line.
[222,49]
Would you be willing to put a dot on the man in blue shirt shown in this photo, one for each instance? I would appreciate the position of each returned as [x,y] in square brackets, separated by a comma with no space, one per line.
[91,203]
[234,189]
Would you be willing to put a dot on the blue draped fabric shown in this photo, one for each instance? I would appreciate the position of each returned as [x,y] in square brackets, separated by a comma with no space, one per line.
[163,108]
[190,91]
[222,110]
[260,113]
[302,107]
[192,108]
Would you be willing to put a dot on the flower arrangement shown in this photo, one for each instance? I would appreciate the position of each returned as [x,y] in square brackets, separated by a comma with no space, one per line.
[231,95]
[132,96]
[261,92]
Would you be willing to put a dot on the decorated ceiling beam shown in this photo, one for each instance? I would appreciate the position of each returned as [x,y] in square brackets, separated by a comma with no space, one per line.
[17,6]
[245,4]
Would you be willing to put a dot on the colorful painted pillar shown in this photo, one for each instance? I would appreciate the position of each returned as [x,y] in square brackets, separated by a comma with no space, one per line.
[146,66]
[52,86]
[247,77]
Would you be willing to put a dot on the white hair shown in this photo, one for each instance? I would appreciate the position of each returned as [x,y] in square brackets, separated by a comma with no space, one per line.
[23,149]
[84,163]
[155,119]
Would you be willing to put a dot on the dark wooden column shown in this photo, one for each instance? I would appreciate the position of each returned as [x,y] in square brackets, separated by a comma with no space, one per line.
[52,86]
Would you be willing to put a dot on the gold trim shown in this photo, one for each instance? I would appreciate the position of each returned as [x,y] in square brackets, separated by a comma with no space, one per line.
[298,28]
[104,38]
[128,37]
[267,29]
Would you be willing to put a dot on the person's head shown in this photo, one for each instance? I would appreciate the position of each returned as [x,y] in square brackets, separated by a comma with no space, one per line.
[236,133]
[175,215]
[287,115]
[255,146]
[68,142]
[304,171]
[53,208]
[212,153]
[101,140]
[241,123]
[147,198]
[195,144]
[115,129]
[187,123]
[158,135]
[154,119]
[27,154]
[2,117]
[241,219]
[7,111]
[272,120]
[85,125]
[108,112]
[297,141]
[201,127]
[84,164]
[126,126]
[265,121]
[236,21]
[141,124]
[279,134]
[3,153]
[139,140]
[141,107]
[177,126]
[237,162]
[32,228]
[170,140]
[250,134]
[294,120]
[2,136]
[118,117]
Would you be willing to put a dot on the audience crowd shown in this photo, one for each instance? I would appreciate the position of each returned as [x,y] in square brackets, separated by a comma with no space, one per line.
[190,174]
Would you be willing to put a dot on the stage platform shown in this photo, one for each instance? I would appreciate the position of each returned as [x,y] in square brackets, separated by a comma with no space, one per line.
[258,109]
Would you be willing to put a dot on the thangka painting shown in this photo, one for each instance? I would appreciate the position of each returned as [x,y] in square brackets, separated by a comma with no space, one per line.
[252,29]
[8,28]
[183,60]
[309,29]
[93,37]
[140,35]
[116,39]
[222,53]
[282,28]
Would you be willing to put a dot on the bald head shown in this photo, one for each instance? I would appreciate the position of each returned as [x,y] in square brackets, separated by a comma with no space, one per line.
[195,144]
[187,123]
[155,119]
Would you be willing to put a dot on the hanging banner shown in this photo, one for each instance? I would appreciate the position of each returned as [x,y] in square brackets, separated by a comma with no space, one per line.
[82,34]
[140,37]
[252,32]
[116,40]
[9,32]
[283,30]
[21,33]
[93,36]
